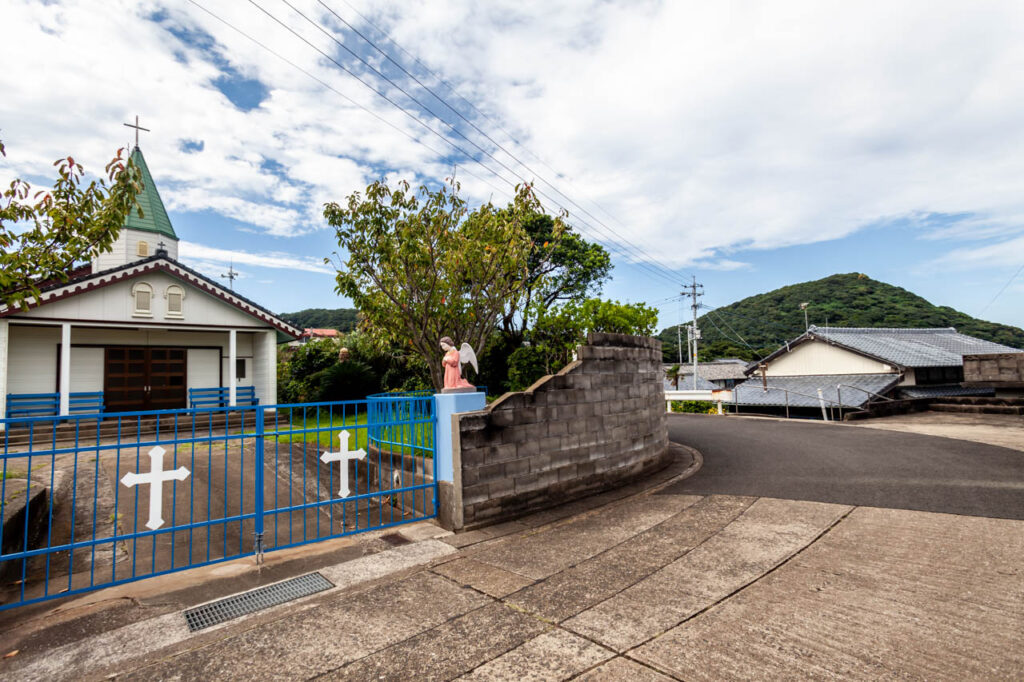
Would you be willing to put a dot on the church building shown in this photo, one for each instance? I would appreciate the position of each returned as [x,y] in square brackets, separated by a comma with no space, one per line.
[137,330]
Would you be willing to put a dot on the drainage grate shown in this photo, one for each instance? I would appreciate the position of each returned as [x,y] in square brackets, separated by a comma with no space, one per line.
[255,600]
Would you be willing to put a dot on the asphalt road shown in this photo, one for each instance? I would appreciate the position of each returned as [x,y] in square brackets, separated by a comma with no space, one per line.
[803,460]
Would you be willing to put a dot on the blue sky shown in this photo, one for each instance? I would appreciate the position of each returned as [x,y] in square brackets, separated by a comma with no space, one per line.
[752,148]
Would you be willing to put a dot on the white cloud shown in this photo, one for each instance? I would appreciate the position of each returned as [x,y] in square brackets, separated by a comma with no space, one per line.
[206,255]
[708,128]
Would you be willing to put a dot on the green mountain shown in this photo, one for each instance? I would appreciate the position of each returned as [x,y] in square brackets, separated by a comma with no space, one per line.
[759,324]
[342,319]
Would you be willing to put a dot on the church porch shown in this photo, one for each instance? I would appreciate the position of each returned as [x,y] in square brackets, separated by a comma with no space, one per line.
[134,367]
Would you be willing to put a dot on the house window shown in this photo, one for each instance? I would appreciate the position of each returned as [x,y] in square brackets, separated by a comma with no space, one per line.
[143,249]
[142,294]
[175,301]
[239,368]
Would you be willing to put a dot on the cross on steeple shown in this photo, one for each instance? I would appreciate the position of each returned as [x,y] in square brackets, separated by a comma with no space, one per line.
[137,129]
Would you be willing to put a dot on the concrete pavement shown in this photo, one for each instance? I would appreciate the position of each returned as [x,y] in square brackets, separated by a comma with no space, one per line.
[643,583]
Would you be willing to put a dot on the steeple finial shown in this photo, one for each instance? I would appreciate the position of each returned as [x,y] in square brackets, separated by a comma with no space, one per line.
[137,129]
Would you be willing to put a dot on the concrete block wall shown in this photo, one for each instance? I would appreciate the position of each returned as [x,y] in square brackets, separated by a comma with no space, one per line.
[598,423]
[995,370]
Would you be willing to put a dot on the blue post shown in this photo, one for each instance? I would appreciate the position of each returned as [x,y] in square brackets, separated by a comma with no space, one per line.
[445,405]
[258,484]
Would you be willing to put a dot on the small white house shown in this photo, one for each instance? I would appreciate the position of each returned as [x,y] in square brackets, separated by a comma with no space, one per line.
[853,366]
[140,328]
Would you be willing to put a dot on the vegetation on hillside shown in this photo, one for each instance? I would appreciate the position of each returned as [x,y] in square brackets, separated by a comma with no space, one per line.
[757,325]
[342,319]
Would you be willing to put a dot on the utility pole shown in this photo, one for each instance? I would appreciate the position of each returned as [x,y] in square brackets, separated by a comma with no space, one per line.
[694,294]
[803,307]
[679,337]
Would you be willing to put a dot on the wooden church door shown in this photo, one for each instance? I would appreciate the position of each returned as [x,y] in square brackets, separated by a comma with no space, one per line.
[142,378]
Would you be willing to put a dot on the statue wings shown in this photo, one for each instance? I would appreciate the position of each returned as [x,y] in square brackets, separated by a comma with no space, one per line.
[466,355]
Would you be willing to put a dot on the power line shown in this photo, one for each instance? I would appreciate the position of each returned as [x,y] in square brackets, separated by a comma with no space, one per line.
[642,257]
[1008,283]
[443,101]
[339,93]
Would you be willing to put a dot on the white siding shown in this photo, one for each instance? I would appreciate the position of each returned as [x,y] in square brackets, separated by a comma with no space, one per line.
[32,359]
[86,369]
[818,357]
[114,303]
[247,359]
[126,249]
[265,367]
[203,366]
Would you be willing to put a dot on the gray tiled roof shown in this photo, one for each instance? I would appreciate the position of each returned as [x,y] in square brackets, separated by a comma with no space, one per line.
[803,390]
[717,371]
[686,384]
[943,347]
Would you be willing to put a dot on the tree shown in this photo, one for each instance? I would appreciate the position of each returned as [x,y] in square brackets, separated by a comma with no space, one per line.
[420,268]
[558,331]
[44,233]
[574,270]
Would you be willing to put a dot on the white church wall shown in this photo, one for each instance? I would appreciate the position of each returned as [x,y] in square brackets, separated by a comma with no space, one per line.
[115,303]
[86,369]
[32,359]
[265,367]
[202,366]
[126,249]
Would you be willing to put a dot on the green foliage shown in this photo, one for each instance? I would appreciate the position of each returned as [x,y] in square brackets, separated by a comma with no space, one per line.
[44,233]
[396,368]
[342,319]
[572,271]
[350,380]
[558,331]
[421,266]
[297,368]
[694,406]
[766,321]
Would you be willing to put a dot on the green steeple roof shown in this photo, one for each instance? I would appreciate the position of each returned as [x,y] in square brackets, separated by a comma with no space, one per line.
[154,218]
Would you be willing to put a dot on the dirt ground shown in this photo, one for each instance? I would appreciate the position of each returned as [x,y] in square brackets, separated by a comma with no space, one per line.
[1006,431]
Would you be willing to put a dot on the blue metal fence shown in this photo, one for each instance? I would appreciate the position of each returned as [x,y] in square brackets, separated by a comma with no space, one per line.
[89,501]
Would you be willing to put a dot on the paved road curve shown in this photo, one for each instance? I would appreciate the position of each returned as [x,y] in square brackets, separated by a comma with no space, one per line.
[800,460]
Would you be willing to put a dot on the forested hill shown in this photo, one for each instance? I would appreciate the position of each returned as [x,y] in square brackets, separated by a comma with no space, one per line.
[342,319]
[765,321]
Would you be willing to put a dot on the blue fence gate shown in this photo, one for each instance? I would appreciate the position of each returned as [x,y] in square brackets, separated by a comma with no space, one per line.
[90,501]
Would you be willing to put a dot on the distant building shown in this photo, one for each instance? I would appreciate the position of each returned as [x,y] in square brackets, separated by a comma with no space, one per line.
[314,334]
[853,366]
[723,373]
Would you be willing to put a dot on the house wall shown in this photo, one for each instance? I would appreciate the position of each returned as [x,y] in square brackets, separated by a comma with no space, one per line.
[126,248]
[817,357]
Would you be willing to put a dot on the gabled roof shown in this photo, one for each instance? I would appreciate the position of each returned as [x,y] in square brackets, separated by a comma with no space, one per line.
[154,215]
[852,390]
[717,371]
[323,333]
[902,347]
[158,263]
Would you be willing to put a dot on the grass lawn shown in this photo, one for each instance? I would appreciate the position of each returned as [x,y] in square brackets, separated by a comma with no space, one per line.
[327,436]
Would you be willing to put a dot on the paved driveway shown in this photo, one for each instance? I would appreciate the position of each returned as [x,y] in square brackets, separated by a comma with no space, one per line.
[803,460]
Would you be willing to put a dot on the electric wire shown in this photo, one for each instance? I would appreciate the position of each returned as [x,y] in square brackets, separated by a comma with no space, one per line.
[469,122]
[1008,283]
[646,260]
[323,83]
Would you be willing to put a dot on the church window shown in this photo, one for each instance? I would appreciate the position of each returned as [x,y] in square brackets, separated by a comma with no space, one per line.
[142,293]
[175,301]
[143,249]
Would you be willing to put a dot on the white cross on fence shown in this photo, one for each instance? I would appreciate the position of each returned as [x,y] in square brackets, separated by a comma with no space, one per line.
[344,456]
[155,478]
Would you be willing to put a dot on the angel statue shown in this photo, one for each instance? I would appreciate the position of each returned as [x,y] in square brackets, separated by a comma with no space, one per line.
[453,362]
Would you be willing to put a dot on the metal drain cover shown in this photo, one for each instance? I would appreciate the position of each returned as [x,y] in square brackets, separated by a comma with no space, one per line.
[255,600]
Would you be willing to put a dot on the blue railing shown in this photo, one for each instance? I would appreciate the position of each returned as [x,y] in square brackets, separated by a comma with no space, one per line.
[48,404]
[89,502]
[220,396]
